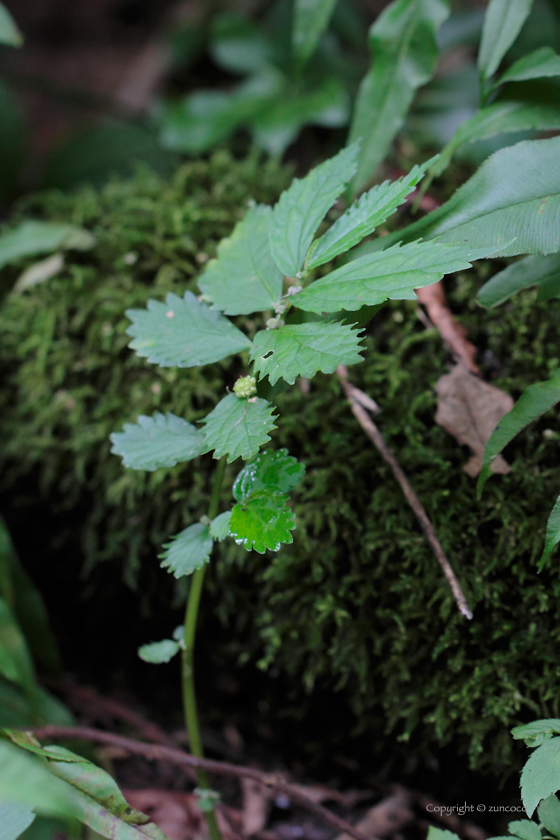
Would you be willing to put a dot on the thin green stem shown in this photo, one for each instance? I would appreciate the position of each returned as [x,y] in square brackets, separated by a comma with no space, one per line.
[189,693]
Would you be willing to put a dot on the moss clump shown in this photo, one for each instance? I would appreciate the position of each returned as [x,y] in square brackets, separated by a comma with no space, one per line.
[357,603]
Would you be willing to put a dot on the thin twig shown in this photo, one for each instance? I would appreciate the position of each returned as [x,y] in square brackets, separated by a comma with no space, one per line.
[157,752]
[371,430]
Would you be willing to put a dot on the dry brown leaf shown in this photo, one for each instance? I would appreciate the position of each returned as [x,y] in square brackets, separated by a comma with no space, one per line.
[177,814]
[454,333]
[387,817]
[257,800]
[469,409]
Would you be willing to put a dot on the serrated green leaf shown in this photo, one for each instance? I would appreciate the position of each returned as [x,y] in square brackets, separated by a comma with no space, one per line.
[301,208]
[403,44]
[219,528]
[24,780]
[244,278]
[392,274]
[549,814]
[537,65]
[534,401]
[162,440]
[94,794]
[182,332]
[552,533]
[371,210]
[541,271]
[525,829]
[189,550]
[9,32]
[536,732]
[238,427]
[435,833]
[502,24]
[303,349]
[31,238]
[515,193]
[311,18]
[157,653]
[262,521]
[501,117]
[14,819]
[541,775]
[271,470]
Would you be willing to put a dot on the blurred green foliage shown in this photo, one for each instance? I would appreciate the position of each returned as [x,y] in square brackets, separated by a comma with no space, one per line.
[357,603]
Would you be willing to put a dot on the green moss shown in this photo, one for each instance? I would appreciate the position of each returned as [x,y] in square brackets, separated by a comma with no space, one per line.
[358,602]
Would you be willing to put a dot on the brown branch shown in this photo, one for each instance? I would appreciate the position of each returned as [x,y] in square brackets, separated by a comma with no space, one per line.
[371,430]
[157,752]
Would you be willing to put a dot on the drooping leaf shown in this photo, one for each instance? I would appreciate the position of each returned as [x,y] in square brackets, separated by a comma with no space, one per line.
[371,210]
[533,402]
[24,780]
[14,819]
[392,274]
[502,117]
[219,528]
[549,814]
[27,709]
[238,427]
[31,238]
[157,653]
[537,732]
[538,64]
[525,829]
[15,661]
[302,207]
[404,49]
[502,24]
[541,775]
[183,332]
[541,271]
[275,471]
[189,550]
[244,278]
[514,198]
[311,18]
[93,793]
[9,32]
[303,349]
[552,533]
[262,521]
[162,440]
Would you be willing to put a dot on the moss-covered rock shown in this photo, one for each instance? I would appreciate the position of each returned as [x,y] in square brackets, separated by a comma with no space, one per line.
[357,603]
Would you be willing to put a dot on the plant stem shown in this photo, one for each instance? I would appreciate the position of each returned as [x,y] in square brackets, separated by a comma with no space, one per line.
[187,658]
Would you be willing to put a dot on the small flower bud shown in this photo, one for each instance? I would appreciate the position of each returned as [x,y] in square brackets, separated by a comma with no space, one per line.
[274,323]
[245,387]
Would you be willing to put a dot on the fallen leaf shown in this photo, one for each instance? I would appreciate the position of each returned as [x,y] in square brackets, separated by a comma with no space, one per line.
[469,409]
[454,333]
[256,806]
[387,817]
[177,814]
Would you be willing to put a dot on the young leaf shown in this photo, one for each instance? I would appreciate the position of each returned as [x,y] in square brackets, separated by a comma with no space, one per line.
[14,819]
[96,798]
[31,238]
[541,775]
[533,402]
[162,440]
[552,533]
[9,32]
[403,45]
[392,274]
[435,833]
[219,528]
[525,829]
[301,208]
[24,780]
[157,653]
[262,521]
[541,271]
[303,349]
[311,18]
[502,24]
[183,332]
[537,732]
[549,814]
[515,193]
[238,427]
[188,550]
[270,470]
[244,278]
[371,210]
[538,64]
